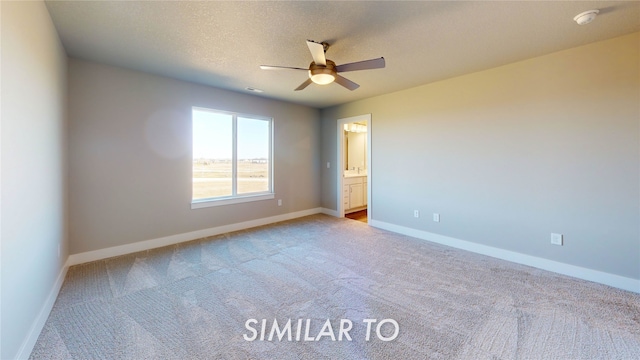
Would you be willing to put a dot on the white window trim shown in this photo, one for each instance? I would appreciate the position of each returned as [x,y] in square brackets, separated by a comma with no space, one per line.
[243,198]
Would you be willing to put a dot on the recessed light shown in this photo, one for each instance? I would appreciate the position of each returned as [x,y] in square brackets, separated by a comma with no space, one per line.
[253,89]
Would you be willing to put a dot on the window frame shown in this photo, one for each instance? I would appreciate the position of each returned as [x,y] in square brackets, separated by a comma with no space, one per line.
[235,198]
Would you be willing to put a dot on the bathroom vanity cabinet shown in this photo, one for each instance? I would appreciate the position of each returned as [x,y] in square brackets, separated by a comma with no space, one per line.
[354,193]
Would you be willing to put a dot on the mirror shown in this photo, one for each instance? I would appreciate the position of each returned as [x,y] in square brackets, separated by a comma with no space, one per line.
[355,146]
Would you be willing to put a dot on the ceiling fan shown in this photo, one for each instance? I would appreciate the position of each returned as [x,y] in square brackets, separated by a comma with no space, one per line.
[323,71]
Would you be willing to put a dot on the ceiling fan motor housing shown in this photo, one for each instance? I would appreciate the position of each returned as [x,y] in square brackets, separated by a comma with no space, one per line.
[322,74]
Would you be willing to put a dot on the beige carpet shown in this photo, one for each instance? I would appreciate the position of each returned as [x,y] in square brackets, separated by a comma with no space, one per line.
[191,301]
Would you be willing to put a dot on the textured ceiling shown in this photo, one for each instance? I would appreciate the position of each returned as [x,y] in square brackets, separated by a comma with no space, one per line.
[222,44]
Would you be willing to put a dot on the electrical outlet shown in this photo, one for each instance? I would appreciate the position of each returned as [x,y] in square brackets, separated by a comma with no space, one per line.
[328,164]
[279,202]
[556,239]
[416,213]
[436,217]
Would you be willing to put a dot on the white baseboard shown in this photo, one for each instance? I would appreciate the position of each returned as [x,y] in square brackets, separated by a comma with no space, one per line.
[329,212]
[88,256]
[36,328]
[613,280]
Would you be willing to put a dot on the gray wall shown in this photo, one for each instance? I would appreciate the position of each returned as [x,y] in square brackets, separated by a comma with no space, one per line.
[33,186]
[130,156]
[511,154]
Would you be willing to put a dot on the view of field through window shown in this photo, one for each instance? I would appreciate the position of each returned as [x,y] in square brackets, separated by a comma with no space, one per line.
[213,155]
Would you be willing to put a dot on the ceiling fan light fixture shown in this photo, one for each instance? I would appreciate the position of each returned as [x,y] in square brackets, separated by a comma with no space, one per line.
[321,76]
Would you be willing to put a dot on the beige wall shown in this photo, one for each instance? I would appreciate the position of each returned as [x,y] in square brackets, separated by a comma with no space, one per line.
[509,155]
[130,156]
[33,182]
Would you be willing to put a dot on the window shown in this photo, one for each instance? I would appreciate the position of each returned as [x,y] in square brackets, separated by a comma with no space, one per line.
[232,158]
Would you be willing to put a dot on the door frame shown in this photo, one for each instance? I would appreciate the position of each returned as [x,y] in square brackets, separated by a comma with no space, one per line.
[340,163]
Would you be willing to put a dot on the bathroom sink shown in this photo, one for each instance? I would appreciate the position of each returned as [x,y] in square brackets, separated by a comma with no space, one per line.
[354,173]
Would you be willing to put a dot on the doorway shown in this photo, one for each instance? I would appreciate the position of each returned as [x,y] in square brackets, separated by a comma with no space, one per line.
[354,167]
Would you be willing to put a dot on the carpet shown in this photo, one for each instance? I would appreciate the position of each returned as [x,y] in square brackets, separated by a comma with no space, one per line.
[331,276]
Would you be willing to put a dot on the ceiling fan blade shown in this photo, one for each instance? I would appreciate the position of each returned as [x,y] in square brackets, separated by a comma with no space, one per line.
[346,82]
[362,65]
[303,85]
[317,52]
[269,67]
